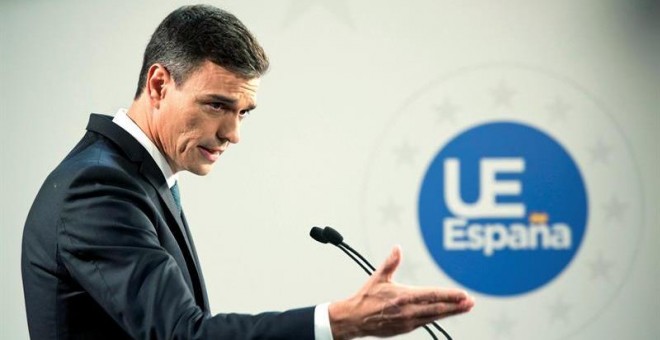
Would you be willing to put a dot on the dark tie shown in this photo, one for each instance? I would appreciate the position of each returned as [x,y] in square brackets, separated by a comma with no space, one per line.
[175,193]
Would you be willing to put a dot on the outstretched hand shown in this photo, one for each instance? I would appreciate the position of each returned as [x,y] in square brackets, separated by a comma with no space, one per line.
[383,308]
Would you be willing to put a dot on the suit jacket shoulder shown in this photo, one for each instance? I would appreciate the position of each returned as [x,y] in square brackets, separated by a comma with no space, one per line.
[107,255]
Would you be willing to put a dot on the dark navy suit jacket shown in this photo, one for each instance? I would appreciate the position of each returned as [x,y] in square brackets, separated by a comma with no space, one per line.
[107,255]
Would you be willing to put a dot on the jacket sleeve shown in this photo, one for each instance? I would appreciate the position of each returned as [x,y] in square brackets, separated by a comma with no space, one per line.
[109,244]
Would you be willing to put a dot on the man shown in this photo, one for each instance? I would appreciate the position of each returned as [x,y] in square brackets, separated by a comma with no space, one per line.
[107,253]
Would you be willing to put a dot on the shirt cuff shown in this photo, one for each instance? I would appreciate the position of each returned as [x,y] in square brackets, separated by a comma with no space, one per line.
[322,330]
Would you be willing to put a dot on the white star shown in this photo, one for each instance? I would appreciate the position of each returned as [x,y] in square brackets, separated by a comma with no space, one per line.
[339,8]
[600,152]
[503,95]
[559,310]
[446,111]
[600,268]
[615,209]
[558,109]
[391,213]
[405,153]
[503,325]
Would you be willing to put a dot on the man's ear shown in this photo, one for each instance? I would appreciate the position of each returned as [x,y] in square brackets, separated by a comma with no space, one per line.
[157,79]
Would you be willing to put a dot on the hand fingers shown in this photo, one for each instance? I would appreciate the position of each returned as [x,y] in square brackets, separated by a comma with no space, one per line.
[387,269]
[440,310]
[404,321]
[415,295]
[434,311]
[394,313]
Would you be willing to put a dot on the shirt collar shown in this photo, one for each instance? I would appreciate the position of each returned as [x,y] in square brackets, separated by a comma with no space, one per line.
[125,122]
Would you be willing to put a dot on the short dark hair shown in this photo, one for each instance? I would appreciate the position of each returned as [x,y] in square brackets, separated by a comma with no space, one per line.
[193,34]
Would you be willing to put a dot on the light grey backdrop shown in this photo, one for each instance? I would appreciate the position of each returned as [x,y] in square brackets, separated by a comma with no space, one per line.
[343,71]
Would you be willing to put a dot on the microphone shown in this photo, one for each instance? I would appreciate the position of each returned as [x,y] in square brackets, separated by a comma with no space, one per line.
[317,234]
[323,236]
[330,235]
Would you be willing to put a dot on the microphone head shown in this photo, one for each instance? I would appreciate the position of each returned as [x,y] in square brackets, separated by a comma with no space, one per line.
[317,234]
[332,236]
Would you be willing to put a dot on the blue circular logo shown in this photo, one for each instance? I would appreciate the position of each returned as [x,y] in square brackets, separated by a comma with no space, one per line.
[503,208]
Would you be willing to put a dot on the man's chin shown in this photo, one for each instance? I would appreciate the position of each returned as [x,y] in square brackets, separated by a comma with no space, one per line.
[201,170]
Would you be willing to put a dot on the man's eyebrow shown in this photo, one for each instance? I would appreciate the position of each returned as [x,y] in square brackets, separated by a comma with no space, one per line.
[230,102]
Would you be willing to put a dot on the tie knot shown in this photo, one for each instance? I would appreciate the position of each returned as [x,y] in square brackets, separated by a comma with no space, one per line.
[175,193]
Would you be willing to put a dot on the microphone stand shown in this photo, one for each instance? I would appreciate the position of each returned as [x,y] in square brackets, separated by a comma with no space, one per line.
[330,235]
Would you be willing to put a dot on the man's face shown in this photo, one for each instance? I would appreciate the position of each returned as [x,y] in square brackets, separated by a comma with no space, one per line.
[195,123]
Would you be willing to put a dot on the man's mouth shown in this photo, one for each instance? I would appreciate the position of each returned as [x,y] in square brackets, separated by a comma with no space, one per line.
[211,155]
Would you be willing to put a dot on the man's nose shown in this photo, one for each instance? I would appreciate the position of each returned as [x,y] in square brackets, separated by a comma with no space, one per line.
[230,129]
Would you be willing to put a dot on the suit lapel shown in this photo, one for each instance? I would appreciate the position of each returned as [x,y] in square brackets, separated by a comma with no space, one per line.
[182,230]
[204,296]
[166,195]
[135,152]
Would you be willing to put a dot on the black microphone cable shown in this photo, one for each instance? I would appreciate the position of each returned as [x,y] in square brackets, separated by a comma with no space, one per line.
[317,234]
[334,237]
[330,235]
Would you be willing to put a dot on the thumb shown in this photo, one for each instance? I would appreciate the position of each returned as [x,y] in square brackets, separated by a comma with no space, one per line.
[387,269]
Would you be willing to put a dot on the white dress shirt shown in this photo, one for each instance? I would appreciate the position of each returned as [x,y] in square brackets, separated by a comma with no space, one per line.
[125,122]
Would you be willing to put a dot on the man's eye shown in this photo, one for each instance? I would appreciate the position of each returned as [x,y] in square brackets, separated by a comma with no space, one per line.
[244,113]
[216,106]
